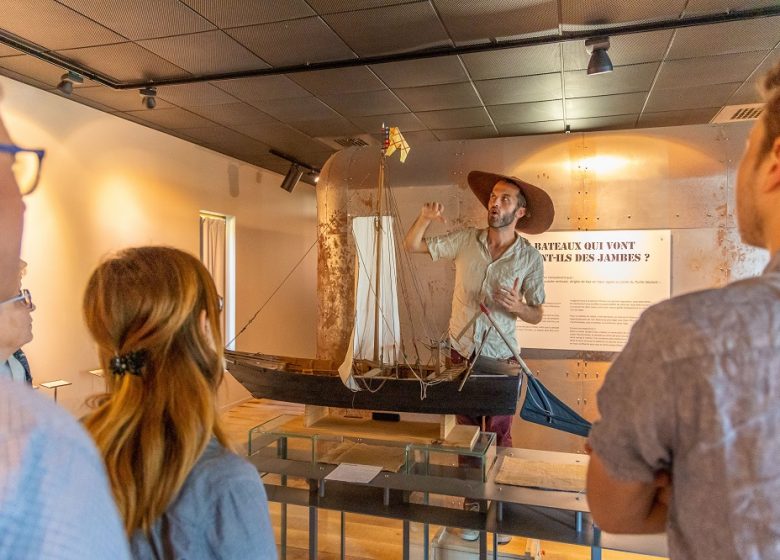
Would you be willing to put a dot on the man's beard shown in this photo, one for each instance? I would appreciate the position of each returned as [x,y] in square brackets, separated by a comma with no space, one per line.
[499,221]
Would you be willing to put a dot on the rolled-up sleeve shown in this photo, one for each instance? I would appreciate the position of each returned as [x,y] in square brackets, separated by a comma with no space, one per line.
[634,435]
[446,246]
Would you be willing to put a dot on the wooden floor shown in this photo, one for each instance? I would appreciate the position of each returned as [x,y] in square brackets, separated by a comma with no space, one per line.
[370,538]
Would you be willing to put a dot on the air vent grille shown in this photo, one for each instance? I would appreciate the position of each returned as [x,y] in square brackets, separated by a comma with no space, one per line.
[356,140]
[349,141]
[738,113]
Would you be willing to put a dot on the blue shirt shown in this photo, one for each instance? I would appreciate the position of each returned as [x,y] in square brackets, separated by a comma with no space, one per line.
[221,512]
[55,501]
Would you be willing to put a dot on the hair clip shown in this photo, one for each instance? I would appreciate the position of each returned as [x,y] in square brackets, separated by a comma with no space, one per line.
[132,362]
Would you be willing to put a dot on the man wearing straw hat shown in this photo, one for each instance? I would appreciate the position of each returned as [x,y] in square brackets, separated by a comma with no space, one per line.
[494,266]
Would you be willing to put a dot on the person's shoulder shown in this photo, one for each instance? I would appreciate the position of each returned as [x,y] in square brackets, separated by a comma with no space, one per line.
[711,317]
[527,248]
[23,411]
[219,466]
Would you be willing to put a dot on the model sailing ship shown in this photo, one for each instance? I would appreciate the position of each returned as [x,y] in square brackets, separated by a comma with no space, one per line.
[363,362]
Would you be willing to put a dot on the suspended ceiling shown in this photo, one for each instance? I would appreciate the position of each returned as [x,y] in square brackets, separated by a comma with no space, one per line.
[662,77]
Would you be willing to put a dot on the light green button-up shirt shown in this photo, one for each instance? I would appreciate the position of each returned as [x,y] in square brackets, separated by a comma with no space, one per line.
[477,276]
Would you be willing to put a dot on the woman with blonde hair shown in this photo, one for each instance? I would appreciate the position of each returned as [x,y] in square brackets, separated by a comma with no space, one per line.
[154,313]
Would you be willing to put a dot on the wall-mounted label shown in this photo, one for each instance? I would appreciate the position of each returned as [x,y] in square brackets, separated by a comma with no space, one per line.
[597,284]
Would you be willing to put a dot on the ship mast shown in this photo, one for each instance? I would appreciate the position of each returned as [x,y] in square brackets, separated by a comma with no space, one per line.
[378,226]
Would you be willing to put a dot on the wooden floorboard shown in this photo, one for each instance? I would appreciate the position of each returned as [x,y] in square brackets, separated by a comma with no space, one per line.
[367,537]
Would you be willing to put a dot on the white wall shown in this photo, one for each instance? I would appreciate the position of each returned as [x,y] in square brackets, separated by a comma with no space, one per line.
[108,183]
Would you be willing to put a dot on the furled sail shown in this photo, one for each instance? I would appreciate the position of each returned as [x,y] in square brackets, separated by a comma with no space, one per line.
[387,330]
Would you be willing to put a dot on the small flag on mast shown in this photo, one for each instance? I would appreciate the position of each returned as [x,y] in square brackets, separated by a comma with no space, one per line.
[395,141]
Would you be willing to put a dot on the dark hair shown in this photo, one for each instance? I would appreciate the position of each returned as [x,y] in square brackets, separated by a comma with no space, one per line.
[771,113]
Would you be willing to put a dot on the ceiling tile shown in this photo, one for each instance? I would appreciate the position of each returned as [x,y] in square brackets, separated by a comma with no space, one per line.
[340,80]
[698,7]
[515,113]
[521,129]
[135,20]
[467,20]
[390,29]
[602,12]
[406,122]
[171,118]
[133,118]
[118,99]
[227,138]
[623,79]
[504,63]
[675,118]
[470,133]
[750,92]
[210,52]
[603,123]
[318,159]
[281,136]
[422,72]
[40,71]
[237,13]
[605,105]
[293,42]
[445,96]
[624,49]
[84,101]
[455,118]
[709,70]
[336,6]
[9,51]
[125,62]
[24,79]
[419,137]
[262,88]
[338,126]
[296,109]
[194,95]
[673,99]
[520,90]
[231,114]
[50,24]
[723,38]
[365,103]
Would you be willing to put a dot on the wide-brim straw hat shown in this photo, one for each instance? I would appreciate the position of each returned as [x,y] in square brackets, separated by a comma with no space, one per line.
[539,210]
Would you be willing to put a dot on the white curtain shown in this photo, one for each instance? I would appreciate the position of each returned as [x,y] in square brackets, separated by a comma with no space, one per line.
[212,252]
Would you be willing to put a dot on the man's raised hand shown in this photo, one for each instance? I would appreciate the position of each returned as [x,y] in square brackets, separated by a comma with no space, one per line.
[433,211]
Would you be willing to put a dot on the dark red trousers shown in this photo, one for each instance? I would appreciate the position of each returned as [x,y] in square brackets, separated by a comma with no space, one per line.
[500,425]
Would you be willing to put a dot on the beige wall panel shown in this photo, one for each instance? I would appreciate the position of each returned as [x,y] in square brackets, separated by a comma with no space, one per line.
[108,183]
[679,178]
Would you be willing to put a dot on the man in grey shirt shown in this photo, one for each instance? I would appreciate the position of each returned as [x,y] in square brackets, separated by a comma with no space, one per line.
[689,436]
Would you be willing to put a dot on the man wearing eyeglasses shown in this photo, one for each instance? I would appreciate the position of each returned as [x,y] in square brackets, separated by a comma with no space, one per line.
[55,502]
[16,326]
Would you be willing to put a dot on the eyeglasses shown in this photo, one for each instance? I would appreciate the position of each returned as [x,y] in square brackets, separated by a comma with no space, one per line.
[24,296]
[220,302]
[26,166]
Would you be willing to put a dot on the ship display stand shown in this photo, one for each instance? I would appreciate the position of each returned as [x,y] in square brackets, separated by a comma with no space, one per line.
[420,480]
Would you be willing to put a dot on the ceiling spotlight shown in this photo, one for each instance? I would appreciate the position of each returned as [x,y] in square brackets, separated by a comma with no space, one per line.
[67,80]
[315,176]
[149,97]
[599,59]
[294,175]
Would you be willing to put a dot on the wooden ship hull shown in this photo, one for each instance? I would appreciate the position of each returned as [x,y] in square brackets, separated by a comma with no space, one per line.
[493,387]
